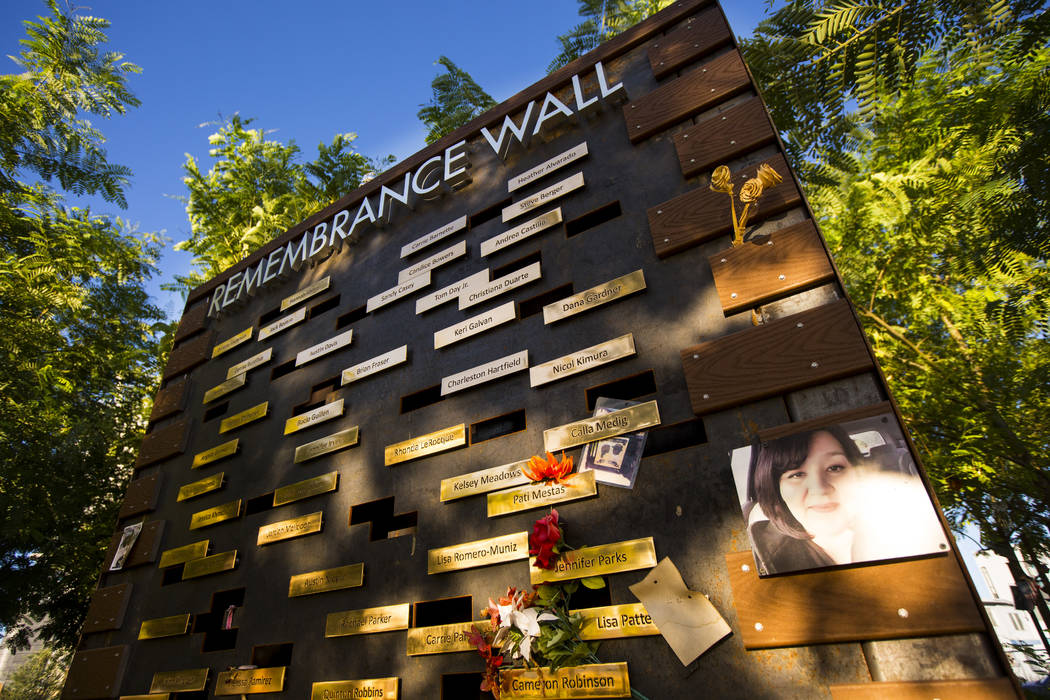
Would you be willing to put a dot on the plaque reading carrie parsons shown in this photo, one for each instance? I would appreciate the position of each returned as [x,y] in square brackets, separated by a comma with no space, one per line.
[572,488]
[305,293]
[214,564]
[394,293]
[226,387]
[436,260]
[325,580]
[324,348]
[283,324]
[326,445]
[290,529]
[582,360]
[183,554]
[627,420]
[434,236]
[569,184]
[432,443]
[250,681]
[594,297]
[232,342]
[244,417]
[616,621]
[483,481]
[559,161]
[441,639]
[367,620]
[474,325]
[188,680]
[226,449]
[485,373]
[518,278]
[313,417]
[468,555]
[521,232]
[452,291]
[378,688]
[251,363]
[598,561]
[200,487]
[375,365]
[590,681]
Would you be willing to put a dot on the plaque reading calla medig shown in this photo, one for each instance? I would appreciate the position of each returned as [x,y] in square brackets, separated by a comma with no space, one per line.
[626,420]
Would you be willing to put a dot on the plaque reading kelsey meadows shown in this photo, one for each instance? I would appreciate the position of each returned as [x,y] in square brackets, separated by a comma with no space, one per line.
[441,639]
[594,297]
[598,561]
[626,420]
[185,681]
[378,688]
[590,681]
[573,487]
[468,555]
[483,481]
[329,443]
[349,576]
[582,360]
[226,449]
[367,620]
[432,443]
[250,681]
[290,529]
[313,417]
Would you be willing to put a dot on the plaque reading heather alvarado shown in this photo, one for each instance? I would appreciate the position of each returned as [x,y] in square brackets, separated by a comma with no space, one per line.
[483,481]
[582,360]
[485,373]
[305,293]
[321,349]
[327,444]
[518,278]
[559,161]
[434,236]
[474,325]
[367,620]
[469,555]
[573,182]
[521,232]
[627,420]
[376,364]
[401,290]
[432,443]
[594,297]
[434,299]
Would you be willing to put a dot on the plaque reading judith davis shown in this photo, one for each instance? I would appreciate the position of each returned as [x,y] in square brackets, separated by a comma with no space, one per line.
[325,580]
[326,445]
[432,443]
[290,529]
[250,681]
[378,688]
[590,681]
[468,555]
[598,561]
[574,487]
[594,297]
[188,680]
[367,620]
[626,420]
[483,481]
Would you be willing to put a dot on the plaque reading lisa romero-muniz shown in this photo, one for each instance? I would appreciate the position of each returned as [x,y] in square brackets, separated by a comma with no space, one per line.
[483,481]
[434,236]
[582,360]
[375,365]
[326,445]
[313,417]
[485,373]
[251,363]
[598,561]
[441,639]
[250,681]
[171,626]
[218,514]
[626,420]
[324,348]
[305,293]
[452,291]
[432,443]
[589,681]
[283,324]
[188,680]
[183,554]
[244,417]
[384,688]
[436,260]
[226,449]
[518,278]
[367,620]
[200,487]
[521,232]
[573,182]
[559,161]
[469,555]
[616,622]
[290,529]
[325,580]
[394,293]
[594,297]
[213,564]
[572,488]
[226,387]
[308,488]
[474,325]
[232,342]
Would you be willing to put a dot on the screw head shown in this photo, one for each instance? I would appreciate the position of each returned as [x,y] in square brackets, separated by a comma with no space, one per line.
[733,295]
[780,277]
[903,612]
[814,365]
[707,396]
[759,627]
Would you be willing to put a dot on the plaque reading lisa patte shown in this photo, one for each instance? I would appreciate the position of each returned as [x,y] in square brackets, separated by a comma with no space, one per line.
[171,626]
[477,324]
[589,681]
[616,621]
[569,184]
[559,161]
[324,348]
[379,688]
[598,561]
[308,488]
[325,580]
[452,291]
[626,420]
[188,680]
[290,529]
[434,236]
[366,621]
[375,365]
[283,324]
[594,297]
[226,387]
[200,487]
[572,488]
[232,342]
[226,449]
[582,360]
[394,293]
[469,555]
[313,417]
[183,554]
[521,232]
[218,514]
[326,445]
[518,278]
[213,564]
[305,293]
[441,639]
[483,481]
[251,363]
[250,681]
[485,373]
[457,250]
[244,417]
[432,443]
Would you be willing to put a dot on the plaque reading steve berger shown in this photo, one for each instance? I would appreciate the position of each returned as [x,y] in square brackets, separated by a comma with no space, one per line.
[839,494]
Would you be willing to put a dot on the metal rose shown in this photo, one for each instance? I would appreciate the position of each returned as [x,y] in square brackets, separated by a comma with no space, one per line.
[768,176]
[721,180]
[751,191]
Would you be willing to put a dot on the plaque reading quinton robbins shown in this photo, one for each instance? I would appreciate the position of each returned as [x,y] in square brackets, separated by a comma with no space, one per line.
[326,445]
[521,232]
[290,529]
[378,688]
[474,325]
[469,555]
[483,481]
[367,620]
[590,681]
[485,373]
[582,360]
[594,297]
[573,182]
[375,365]
[313,417]
[321,349]
[432,443]
[598,561]
[626,420]
[283,324]
[572,488]
[350,576]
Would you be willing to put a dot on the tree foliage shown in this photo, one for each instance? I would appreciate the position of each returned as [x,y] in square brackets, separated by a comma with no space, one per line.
[456,100]
[603,19]
[39,678]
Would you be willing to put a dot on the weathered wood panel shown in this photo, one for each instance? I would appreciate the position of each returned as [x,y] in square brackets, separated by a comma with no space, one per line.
[988,689]
[96,673]
[188,354]
[107,608]
[194,319]
[141,496]
[163,443]
[145,549]
[170,400]
[724,136]
[700,35]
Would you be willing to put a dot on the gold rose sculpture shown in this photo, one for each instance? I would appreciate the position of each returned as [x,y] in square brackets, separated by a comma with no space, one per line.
[750,193]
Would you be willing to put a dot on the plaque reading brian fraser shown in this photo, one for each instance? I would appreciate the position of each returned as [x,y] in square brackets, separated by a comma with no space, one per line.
[376,364]
[518,278]
[573,182]
[520,233]
[582,360]
[485,373]
[477,324]
[436,260]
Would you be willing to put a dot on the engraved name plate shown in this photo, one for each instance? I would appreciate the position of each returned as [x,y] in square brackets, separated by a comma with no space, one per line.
[432,443]
[220,390]
[589,681]
[170,626]
[434,299]
[626,420]
[379,688]
[183,554]
[313,417]
[468,555]
[520,233]
[573,182]
[232,342]
[518,278]
[441,639]
[598,561]
[226,449]
[519,498]
[616,621]
[594,297]
[485,373]
[582,360]
[350,576]
[306,489]
[186,681]
[483,481]
[436,260]
[559,161]
[305,293]
[152,696]
[250,681]
[394,293]
[326,445]
[200,487]
[321,349]
[434,236]
[218,514]
[290,529]
[477,324]
[244,417]
[376,364]
[367,620]
[251,363]
[214,564]
[283,324]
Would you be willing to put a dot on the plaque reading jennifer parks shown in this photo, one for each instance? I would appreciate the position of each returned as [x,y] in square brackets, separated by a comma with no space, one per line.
[220,390]
[626,420]
[582,360]
[350,576]
[475,281]
[250,681]
[436,260]
[214,564]
[394,293]
[594,297]
[598,561]
[186,681]
[379,688]
[485,373]
[251,363]
[321,349]
[305,293]
[573,182]
[616,621]
[283,324]
[477,324]
[572,488]
[375,365]
[232,342]
[181,555]
[518,278]
[170,626]
[483,481]
[434,236]
[441,639]
[200,487]
[520,233]
[290,529]
[468,555]
[558,161]
[226,449]
[218,514]
[244,417]
[367,620]
[313,417]
[326,445]
[590,681]
[432,443]
[307,488]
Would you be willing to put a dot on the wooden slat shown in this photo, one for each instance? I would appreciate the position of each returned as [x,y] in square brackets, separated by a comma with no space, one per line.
[163,443]
[772,267]
[107,608]
[188,354]
[983,689]
[917,598]
[700,215]
[96,673]
[194,319]
[723,137]
[700,35]
[875,409]
[145,549]
[801,350]
[718,80]
[170,400]
[141,496]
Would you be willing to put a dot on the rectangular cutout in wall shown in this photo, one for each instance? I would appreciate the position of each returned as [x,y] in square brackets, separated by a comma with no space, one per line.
[282,369]
[625,388]
[351,316]
[497,426]
[488,213]
[271,315]
[446,611]
[382,521]
[270,655]
[462,686]
[218,640]
[595,217]
[323,307]
[216,411]
[677,436]
[534,305]
[258,504]
[515,265]
[421,398]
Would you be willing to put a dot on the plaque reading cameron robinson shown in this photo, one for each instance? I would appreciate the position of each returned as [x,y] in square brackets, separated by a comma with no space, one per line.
[468,555]
[598,561]
[590,681]
[438,441]
[367,620]
[594,297]
[626,420]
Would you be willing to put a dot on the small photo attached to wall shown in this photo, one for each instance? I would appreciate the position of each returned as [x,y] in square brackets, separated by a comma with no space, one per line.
[615,460]
[836,494]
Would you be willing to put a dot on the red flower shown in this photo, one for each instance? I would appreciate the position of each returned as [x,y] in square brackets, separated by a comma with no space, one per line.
[546,535]
[540,469]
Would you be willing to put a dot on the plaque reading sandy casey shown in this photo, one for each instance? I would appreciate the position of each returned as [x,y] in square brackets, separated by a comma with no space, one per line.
[323,348]
[468,555]
[474,325]
[485,373]
[394,293]
[595,296]
[376,364]
[572,488]
[378,688]
[627,420]
[313,417]
[432,443]
[483,481]
[598,561]
[367,620]
[582,360]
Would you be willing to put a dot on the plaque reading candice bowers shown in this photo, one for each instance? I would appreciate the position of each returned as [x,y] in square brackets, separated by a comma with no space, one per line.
[251,363]
[518,278]
[436,260]
[432,443]
[573,182]
[598,561]
[483,481]
[434,236]
[559,161]
[313,417]
[375,365]
[474,325]
[326,445]
[582,360]
[349,576]
[485,373]
[378,688]
[324,348]
[452,291]
[283,324]
[626,420]
[394,293]
[521,232]
[441,639]
[367,620]
[594,297]
[572,488]
[468,555]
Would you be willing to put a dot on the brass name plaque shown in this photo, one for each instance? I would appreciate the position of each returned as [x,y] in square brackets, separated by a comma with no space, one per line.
[569,184]
[574,487]
[598,561]
[170,626]
[520,233]
[251,363]
[311,418]
[226,387]
[558,161]
[186,681]
[328,444]
[626,420]
[218,514]
[325,580]
[206,566]
[226,449]
[375,365]
[483,481]
[582,360]
[485,373]
[475,281]
[477,324]
[378,688]
[367,620]
[283,324]
[429,444]
[436,260]
[321,349]
[250,681]
[468,555]
[230,343]
[290,529]
[305,293]
[594,297]
[244,417]
[181,555]
[306,489]
[441,639]
[152,696]
[518,278]
[394,293]
[616,621]
[590,681]
[434,236]
[201,487]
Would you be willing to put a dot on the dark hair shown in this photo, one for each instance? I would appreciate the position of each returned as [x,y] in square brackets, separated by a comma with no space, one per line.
[776,457]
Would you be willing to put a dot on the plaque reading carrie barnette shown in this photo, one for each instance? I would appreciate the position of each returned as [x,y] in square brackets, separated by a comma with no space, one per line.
[434,236]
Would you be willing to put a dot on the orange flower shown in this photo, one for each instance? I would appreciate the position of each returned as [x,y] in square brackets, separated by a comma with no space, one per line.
[539,469]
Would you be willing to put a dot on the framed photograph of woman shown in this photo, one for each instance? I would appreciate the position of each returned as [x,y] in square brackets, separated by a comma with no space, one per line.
[832,495]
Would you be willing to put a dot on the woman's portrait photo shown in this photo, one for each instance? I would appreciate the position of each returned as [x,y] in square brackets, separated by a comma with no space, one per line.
[835,495]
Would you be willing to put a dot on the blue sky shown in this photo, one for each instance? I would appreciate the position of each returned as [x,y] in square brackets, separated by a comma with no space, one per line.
[305,70]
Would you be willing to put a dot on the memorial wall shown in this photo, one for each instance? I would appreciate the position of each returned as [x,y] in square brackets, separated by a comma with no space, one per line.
[335,479]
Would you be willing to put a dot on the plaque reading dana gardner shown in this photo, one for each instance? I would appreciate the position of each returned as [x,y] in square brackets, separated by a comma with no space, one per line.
[582,360]
[313,417]
[432,443]
[290,529]
[572,488]
[185,681]
[626,420]
[598,561]
[378,688]
[483,481]
[469,555]
[349,576]
[367,620]
[589,681]
[376,364]
[594,297]
[326,445]
[477,324]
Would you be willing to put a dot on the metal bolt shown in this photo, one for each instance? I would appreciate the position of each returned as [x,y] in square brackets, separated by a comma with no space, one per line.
[759,627]
[780,277]
[769,242]
[745,567]
[685,136]
[696,46]
[706,396]
[637,126]
[661,63]
[903,612]
[659,211]
[733,295]
[732,143]
[692,160]
[723,118]
[712,89]
[723,259]
[799,324]
[814,365]
[656,46]
[667,240]
[632,106]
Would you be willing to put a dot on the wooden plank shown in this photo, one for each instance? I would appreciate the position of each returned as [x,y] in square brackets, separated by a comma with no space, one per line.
[96,673]
[170,400]
[163,443]
[724,136]
[145,549]
[700,215]
[876,409]
[107,608]
[914,598]
[188,354]
[770,268]
[719,79]
[982,689]
[700,35]
[797,351]
[194,320]
[141,496]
